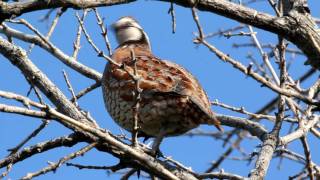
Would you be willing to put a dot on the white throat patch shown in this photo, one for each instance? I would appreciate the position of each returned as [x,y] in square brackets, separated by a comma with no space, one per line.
[127,29]
[129,34]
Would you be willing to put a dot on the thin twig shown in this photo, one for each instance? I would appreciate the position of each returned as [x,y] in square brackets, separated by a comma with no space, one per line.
[173,17]
[178,164]
[24,100]
[253,115]
[55,51]
[41,147]
[301,131]
[52,27]
[224,155]
[220,175]
[241,33]
[33,29]
[260,67]
[199,132]
[308,157]
[104,31]
[221,32]
[70,88]
[264,55]
[76,43]
[95,47]
[54,166]
[6,172]
[47,16]
[113,168]
[136,106]
[13,151]
[269,46]
[33,134]
[196,19]
[79,166]
[86,91]
[274,6]
[128,174]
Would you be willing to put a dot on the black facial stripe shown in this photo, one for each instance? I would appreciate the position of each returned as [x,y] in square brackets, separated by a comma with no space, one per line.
[124,27]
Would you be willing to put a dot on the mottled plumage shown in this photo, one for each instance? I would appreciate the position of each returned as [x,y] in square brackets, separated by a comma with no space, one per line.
[172,100]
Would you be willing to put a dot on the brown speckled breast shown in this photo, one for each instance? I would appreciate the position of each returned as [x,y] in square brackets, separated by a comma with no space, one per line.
[172,101]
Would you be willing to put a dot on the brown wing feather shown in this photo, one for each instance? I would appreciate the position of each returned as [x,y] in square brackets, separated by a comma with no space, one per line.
[192,88]
[161,76]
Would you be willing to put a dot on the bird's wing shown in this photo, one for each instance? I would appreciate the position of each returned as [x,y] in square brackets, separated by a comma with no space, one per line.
[164,77]
[172,79]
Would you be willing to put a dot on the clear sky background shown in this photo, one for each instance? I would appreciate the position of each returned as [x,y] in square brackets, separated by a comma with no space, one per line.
[219,79]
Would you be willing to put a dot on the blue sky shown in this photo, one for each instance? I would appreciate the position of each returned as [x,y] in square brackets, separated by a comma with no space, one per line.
[219,79]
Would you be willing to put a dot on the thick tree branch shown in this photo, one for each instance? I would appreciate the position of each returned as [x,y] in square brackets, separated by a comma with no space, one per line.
[14,9]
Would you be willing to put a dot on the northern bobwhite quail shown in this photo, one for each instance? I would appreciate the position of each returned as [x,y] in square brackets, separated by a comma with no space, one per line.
[172,100]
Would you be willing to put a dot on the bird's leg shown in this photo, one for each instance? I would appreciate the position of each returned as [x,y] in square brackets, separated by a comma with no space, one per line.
[156,144]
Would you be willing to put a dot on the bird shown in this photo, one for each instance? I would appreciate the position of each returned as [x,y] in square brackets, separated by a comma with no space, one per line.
[172,102]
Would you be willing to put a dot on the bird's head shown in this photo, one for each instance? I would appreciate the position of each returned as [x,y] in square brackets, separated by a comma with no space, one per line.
[128,30]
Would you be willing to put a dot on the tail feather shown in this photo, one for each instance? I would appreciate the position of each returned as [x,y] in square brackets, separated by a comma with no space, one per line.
[214,120]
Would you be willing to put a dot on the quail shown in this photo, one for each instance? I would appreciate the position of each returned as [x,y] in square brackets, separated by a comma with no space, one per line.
[172,101]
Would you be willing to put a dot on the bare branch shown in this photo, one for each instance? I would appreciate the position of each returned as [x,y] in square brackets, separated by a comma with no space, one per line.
[76,44]
[265,56]
[33,134]
[220,175]
[136,107]
[254,128]
[173,17]
[308,157]
[41,147]
[54,166]
[14,9]
[70,88]
[302,131]
[26,101]
[86,91]
[59,54]
[52,27]
[252,115]
[104,31]
[257,77]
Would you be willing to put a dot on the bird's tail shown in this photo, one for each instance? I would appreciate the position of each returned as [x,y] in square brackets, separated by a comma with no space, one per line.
[214,120]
